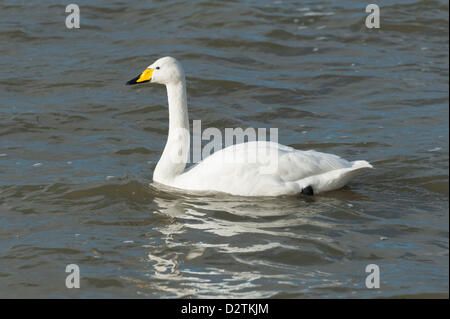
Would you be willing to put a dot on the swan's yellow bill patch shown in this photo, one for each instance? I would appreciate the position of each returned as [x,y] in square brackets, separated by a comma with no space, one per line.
[145,76]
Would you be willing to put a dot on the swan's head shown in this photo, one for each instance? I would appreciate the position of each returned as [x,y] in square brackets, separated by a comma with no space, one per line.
[165,70]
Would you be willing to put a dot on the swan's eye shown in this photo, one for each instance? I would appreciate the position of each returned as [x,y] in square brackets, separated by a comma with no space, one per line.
[157,68]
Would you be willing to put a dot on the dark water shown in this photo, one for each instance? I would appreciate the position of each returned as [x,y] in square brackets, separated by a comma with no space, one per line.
[78,148]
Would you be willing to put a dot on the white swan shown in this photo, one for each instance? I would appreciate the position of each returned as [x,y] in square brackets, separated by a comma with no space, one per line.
[293,172]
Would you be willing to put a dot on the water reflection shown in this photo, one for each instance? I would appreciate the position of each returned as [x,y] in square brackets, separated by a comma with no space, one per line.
[228,247]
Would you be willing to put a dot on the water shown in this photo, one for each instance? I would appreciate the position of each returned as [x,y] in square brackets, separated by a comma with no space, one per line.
[78,148]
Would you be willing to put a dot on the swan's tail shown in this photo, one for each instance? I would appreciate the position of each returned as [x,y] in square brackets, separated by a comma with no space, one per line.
[357,165]
[334,179]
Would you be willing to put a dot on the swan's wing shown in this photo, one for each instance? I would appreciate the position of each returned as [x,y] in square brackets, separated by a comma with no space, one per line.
[256,167]
[297,165]
[290,164]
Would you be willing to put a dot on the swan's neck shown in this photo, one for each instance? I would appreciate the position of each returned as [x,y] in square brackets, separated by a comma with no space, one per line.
[175,155]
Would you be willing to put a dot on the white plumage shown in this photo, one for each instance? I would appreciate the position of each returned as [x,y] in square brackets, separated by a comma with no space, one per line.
[257,168]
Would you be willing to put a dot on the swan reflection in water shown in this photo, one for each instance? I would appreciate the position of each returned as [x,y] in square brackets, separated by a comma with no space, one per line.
[229,246]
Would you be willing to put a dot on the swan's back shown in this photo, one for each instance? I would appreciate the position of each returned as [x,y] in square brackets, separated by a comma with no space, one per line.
[263,168]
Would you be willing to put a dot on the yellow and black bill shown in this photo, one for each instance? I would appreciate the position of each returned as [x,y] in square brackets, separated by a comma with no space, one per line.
[145,76]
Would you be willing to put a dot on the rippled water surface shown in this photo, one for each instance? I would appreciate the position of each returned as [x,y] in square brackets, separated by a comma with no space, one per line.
[78,148]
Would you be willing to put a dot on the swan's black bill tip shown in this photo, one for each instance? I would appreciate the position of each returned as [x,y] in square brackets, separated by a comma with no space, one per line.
[136,81]
[133,81]
[308,191]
